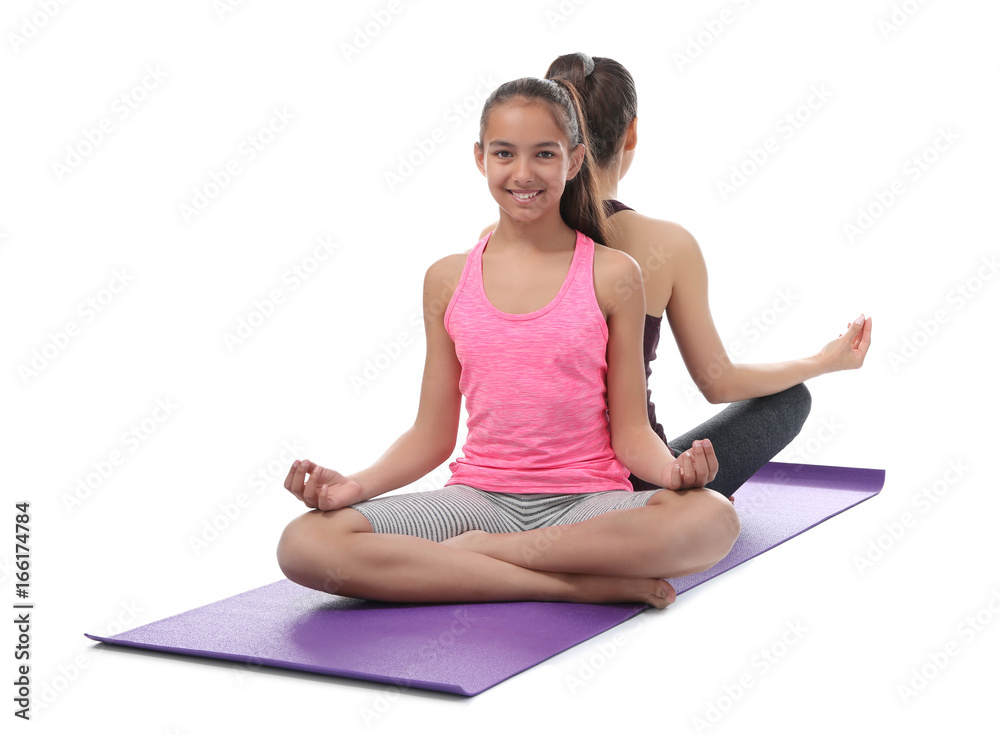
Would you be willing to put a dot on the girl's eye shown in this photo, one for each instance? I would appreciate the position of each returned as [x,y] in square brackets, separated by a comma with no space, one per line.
[504,154]
[546,154]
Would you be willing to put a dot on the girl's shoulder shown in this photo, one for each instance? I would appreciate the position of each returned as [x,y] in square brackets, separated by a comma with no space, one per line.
[447,270]
[441,281]
[613,262]
[616,274]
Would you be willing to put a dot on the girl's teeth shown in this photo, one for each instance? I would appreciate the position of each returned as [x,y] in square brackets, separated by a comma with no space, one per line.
[524,196]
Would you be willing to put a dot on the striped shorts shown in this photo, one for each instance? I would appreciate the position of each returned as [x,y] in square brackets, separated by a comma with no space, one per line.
[455,509]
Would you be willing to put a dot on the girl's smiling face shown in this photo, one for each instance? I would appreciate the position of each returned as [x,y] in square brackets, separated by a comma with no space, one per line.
[527,159]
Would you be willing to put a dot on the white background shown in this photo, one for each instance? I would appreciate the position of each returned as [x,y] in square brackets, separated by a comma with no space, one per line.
[126,551]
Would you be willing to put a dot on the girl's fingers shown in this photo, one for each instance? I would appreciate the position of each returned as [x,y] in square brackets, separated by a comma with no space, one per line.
[291,475]
[311,491]
[697,455]
[308,486]
[674,479]
[327,501]
[688,469]
[297,474]
[297,483]
[713,461]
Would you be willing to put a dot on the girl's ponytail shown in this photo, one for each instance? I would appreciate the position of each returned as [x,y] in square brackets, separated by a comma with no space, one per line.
[581,206]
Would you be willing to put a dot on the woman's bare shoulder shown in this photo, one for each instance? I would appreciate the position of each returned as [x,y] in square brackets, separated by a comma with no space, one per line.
[666,253]
[638,235]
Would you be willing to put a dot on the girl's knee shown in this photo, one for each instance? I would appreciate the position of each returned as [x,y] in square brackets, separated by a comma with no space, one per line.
[703,526]
[713,528]
[722,527]
[294,548]
[310,548]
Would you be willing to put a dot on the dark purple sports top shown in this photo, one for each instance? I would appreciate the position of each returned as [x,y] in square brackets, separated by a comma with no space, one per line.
[650,340]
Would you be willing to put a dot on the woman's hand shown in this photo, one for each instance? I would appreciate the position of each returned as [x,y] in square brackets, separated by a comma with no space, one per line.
[848,351]
[324,489]
[695,467]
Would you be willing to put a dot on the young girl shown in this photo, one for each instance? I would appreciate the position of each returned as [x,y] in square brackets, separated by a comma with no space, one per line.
[769,401]
[545,346]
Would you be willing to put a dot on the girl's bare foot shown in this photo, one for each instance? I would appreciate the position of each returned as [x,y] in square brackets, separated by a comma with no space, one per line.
[470,541]
[587,587]
[590,588]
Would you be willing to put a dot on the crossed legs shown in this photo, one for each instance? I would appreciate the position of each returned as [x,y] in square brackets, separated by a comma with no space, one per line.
[619,556]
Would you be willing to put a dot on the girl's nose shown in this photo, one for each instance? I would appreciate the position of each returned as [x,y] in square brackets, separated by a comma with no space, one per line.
[523,173]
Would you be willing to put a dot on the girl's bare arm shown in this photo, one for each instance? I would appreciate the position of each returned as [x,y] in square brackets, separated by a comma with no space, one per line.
[618,283]
[431,439]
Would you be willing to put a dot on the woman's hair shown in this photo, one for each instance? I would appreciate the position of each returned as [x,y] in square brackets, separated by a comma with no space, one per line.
[580,206]
[608,98]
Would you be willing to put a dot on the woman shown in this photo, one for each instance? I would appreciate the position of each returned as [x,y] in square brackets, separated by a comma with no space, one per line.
[768,402]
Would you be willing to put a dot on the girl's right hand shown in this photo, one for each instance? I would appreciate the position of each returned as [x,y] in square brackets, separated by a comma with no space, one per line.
[325,489]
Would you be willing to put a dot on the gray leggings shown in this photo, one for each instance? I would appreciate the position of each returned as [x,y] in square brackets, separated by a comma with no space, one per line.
[747,434]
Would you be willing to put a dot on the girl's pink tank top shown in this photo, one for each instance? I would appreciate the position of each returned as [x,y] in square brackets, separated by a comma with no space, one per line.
[535,387]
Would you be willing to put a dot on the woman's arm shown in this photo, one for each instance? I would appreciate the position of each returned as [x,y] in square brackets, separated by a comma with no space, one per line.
[717,377]
[635,443]
[431,439]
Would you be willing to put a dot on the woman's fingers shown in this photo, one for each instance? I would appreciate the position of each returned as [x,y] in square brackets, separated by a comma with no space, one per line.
[864,338]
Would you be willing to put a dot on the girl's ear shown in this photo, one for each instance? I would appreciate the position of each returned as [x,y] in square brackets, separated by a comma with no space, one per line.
[576,157]
[477,150]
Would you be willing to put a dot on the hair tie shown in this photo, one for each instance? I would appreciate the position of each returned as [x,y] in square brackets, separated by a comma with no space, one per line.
[588,63]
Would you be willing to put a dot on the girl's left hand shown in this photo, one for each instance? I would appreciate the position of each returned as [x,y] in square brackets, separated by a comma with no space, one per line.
[848,351]
[693,469]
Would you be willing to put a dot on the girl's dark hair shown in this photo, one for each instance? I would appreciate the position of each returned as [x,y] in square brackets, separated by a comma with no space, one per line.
[608,98]
[580,206]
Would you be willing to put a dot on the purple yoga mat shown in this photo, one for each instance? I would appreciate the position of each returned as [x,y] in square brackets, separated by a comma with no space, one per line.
[466,649]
